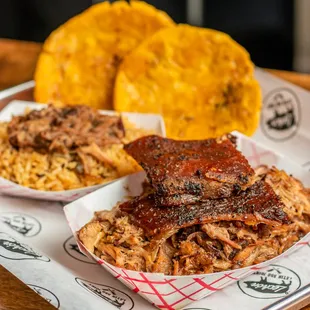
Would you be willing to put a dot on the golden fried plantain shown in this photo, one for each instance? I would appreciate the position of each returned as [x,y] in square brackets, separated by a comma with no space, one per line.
[80,59]
[200,80]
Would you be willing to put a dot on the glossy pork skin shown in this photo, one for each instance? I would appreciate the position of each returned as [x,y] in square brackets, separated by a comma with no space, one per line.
[257,204]
[184,172]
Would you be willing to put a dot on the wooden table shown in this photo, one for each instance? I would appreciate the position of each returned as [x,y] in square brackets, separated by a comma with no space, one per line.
[15,295]
[17,62]
[17,65]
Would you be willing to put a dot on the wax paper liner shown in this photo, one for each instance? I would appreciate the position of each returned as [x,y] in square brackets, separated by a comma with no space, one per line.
[148,121]
[174,292]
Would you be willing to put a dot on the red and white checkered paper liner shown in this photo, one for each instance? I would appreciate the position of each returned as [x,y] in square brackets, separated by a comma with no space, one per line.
[148,121]
[173,292]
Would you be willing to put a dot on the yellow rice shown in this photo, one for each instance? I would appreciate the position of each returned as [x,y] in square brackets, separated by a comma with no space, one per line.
[56,172]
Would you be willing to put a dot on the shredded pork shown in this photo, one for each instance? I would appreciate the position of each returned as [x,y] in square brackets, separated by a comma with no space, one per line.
[78,130]
[64,129]
[205,248]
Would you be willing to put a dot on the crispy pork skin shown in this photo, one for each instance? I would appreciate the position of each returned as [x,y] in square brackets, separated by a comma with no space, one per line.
[249,228]
[184,172]
[257,204]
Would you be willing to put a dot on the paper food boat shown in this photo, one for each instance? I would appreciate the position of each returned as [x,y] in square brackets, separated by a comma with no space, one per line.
[174,292]
[147,121]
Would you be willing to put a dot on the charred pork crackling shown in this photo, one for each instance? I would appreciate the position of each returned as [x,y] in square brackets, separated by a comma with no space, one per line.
[184,172]
[258,216]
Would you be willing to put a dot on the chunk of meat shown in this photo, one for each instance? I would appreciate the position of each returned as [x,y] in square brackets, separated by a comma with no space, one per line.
[115,240]
[245,234]
[95,151]
[255,254]
[257,204]
[227,233]
[293,194]
[193,259]
[220,233]
[64,129]
[163,262]
[184,172]
[91,233]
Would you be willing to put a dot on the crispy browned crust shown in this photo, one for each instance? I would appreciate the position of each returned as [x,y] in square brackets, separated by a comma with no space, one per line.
[223,234]
[184,172]
[258,204]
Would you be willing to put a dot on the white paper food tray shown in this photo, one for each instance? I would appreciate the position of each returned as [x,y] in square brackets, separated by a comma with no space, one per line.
[147,121]
[71,282]
[175,292]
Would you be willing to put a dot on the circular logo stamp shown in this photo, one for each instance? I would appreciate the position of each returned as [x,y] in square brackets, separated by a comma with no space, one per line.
[112,295]
[275,282]
[307,165]
[11,248]
[46,294]
[24,224]
[281,114]
[73,250]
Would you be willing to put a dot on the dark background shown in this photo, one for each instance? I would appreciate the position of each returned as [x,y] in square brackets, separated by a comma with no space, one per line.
[263,27]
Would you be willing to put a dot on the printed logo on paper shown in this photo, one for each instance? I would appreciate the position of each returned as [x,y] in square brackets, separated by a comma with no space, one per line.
[276,282]
[73,250]
[46,294]
[112,295]
[10,248]
[25,225]
[307,165]
[281,114]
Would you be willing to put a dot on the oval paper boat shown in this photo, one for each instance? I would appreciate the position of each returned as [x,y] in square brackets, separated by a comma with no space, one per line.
[174,292]
[147,121]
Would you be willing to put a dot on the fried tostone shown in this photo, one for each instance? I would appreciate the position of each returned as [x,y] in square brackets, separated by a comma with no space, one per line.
[80,59]
[200,80]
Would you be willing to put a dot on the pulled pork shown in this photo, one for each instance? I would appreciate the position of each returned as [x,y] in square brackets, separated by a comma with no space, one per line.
[204,247]
[76,129]
[64,129]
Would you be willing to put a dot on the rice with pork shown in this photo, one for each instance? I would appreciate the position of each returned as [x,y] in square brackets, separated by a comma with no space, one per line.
[56,170]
